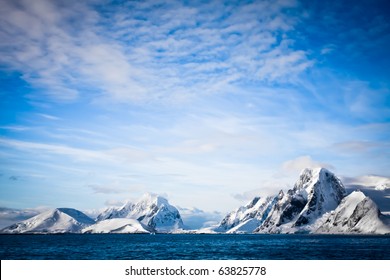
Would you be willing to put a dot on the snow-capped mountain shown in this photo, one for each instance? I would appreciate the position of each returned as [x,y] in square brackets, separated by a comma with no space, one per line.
[151,210]
[247,218]
[9,216]
[356,213]
[60,220]
[151,213]
[383,186]
[316,192]
[118,225]
[316,204]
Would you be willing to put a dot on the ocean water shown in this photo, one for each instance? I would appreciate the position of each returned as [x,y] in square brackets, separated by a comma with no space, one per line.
[193,247]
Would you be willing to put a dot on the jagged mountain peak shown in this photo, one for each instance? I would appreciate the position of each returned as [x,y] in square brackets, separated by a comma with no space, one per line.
[309,176]
[152,199]
[323,192]
[253,202]
[316,192]
[151,209]
[247,218]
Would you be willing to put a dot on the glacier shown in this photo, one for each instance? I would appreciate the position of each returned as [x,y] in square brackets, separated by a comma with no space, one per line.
[118,225]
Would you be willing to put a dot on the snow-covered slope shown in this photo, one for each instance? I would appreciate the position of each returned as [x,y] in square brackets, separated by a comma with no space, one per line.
[156,212]
[316,192]
[118,225]
[10,216]
[152,210]
[115,212]
[383,186]
[247,218]
[60,220]
[356,213]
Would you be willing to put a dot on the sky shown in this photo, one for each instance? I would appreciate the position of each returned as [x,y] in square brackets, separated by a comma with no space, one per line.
[207,103]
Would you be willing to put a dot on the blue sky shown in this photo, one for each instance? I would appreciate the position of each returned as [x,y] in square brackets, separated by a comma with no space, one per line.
[205,102]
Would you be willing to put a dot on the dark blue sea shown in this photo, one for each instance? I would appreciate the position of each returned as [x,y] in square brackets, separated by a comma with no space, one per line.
[193,247]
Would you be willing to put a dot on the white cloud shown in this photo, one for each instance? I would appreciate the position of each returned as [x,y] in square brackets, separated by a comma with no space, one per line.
[173,52]
[123,154]
[328,49]
[106,189]
[283,65]
[356,146]
[9,216]
[15,127]
[300,163]
[373,181]
[266,189]
[49,117]
[194,218]
[79,154]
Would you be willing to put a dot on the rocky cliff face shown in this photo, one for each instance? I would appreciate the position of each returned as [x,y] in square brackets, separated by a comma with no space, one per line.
[316,192]
[247,218]
[316,204]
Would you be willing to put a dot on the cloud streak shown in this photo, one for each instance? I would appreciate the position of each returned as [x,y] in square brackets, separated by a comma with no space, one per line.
[189,97]
[139,53]
[122,154]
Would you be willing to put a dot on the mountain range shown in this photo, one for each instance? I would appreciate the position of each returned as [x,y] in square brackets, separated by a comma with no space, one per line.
[318,203]
[151,213]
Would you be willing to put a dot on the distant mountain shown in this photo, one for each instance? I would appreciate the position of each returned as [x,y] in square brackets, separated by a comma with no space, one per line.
[383,186]
[118,225]
[152,210]
[194,218]
[60,220]
[150,214]
[316,204]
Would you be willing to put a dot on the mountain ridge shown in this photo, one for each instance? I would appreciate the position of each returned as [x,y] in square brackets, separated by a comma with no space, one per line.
[317,203]
[305,208]
[152,210]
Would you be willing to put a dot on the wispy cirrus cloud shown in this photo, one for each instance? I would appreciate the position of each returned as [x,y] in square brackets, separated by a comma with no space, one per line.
[15,128]
[114,188]
[359,146]
[190,97]
[122,154]
[300,163]
[139,53]
[49,117]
